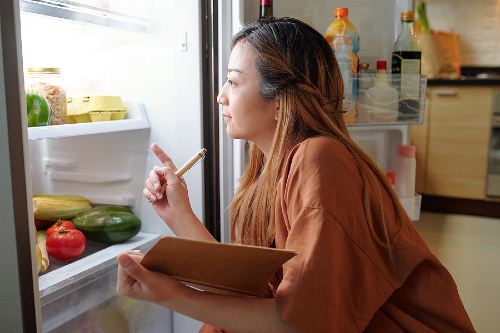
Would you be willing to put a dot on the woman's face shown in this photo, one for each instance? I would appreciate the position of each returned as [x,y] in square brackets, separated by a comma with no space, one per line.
[247,115]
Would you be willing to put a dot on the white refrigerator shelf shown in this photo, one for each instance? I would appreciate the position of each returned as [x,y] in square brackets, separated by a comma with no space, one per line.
[69,290]
[137,120]
[411,205]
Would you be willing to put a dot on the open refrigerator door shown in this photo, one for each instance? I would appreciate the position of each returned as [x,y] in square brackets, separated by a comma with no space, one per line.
[378,25]
[149,54]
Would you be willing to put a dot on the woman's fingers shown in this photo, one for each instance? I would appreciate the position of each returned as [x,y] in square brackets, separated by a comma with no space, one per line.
[162,156]
[149,196]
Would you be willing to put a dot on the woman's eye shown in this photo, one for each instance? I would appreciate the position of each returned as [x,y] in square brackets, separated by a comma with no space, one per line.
[230,82]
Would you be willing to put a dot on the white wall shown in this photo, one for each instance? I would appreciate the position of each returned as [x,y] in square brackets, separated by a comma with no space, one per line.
[477,23]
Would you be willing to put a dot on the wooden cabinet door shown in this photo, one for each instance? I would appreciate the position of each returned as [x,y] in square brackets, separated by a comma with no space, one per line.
[459,135]
[420,139]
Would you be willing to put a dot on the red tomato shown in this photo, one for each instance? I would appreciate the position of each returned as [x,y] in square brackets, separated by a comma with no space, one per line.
[61,224]
[66,244]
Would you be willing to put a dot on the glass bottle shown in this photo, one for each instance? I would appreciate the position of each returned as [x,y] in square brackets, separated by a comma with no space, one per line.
[406,56]
[406,61]
[266,8]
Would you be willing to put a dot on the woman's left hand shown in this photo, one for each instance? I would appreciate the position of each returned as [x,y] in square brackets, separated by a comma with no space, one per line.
[135,281]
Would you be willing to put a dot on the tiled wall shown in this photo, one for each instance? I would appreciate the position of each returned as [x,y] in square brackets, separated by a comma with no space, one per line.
[476,21]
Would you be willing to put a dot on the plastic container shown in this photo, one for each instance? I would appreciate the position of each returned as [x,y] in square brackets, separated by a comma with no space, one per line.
[341,25]
[382,98]
[342,47]
[96,108]
[406,167]
[46,81]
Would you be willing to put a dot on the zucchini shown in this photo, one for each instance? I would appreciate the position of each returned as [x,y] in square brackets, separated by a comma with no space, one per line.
[108,224]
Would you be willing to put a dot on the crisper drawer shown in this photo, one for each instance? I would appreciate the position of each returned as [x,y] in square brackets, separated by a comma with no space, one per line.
[69,290]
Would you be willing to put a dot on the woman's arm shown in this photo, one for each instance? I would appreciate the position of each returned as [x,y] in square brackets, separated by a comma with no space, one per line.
[231,313]
[171,202]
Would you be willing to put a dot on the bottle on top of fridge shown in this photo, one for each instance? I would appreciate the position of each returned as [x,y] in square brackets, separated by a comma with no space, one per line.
[406,61]
[266,8]
[342,47]
[382,97]
[341,25]
[405,170]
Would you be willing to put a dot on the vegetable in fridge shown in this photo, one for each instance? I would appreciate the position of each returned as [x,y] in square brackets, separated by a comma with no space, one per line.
[108,224]
[38,110]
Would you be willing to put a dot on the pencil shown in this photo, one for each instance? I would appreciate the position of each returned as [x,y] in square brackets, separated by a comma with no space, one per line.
[188,165]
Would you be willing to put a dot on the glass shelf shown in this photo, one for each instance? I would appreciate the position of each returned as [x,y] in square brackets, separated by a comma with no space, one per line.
[137,120]
[79,11]
[385,100]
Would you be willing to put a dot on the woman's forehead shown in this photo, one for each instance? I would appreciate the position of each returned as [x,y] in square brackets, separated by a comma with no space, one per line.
[242,58]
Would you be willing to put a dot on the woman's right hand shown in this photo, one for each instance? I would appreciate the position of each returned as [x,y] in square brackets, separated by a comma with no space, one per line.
[173,205]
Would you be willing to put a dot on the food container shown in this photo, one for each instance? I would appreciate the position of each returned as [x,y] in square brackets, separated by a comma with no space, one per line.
[96,108]
[46,81]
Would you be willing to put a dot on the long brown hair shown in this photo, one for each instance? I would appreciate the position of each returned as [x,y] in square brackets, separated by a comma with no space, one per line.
[297,65]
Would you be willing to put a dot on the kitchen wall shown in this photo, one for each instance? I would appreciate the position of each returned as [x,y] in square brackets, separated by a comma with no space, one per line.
[478,24]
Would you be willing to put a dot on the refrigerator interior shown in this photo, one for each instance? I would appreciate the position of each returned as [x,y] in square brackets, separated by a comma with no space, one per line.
[147,52]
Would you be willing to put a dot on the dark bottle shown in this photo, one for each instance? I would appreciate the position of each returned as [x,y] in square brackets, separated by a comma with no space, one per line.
[406,61]
[406,55]
[266,8]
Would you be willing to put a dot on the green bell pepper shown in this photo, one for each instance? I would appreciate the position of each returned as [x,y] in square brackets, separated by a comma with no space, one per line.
[38,109]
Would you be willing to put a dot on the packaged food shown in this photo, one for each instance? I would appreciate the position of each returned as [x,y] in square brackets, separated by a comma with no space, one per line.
[96,108]
[46,82]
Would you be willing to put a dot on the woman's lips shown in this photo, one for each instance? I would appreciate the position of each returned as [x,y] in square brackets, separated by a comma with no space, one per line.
[226,117]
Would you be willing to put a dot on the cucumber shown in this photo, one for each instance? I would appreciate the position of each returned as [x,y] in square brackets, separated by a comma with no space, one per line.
[108,224]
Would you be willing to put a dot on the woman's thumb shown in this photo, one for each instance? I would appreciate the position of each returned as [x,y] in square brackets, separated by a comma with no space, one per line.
[131,267]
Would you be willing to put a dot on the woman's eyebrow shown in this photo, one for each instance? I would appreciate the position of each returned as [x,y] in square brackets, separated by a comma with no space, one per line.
[229,70]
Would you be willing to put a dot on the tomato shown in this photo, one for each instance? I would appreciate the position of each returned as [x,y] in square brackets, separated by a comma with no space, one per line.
[61,224]
[66,244]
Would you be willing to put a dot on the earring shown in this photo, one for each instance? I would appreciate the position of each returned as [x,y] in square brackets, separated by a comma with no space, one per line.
[276,115]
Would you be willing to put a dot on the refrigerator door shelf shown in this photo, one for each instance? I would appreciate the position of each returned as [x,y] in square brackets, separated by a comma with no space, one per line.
[411,205]
[87,13]
[68,290]
[137,120]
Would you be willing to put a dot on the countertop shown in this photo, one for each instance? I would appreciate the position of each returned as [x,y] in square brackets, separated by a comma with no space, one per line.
[471,76]
[466,81]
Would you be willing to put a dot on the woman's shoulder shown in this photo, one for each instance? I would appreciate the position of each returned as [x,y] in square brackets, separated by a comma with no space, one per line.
[320,149]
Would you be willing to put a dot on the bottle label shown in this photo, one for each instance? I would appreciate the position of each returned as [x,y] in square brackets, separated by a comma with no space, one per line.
[406,62]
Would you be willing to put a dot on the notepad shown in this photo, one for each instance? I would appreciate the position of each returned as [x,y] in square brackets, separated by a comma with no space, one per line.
[235,268]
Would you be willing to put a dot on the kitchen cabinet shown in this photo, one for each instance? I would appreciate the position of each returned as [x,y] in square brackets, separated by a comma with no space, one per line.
[453,143]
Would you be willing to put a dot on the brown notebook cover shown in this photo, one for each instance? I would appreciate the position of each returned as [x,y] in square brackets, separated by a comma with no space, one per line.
[236,268]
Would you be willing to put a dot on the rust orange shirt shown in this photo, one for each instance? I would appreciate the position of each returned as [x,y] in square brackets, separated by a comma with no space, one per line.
[342,280]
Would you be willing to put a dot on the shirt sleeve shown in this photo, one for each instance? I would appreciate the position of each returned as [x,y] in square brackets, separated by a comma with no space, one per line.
[332,285]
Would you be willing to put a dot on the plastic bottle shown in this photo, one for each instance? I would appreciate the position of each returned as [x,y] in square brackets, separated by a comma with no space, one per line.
[342,46]
[341,25]
[406,167]
[382,98]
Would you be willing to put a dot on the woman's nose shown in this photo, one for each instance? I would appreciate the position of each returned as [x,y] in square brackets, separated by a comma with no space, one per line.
[221,98]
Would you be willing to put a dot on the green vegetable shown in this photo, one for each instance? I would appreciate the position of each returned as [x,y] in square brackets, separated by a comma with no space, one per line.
[422,16]
[108,224]
[38,109]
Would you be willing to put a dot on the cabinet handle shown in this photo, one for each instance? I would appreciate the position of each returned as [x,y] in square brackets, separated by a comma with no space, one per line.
[446,92]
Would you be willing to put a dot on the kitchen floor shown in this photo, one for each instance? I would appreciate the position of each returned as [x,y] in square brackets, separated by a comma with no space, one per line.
[469,247]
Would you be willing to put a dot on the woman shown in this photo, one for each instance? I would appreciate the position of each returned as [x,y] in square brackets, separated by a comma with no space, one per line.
[361,266]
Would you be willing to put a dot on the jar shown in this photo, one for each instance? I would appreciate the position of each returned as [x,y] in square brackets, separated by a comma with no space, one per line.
[47,82]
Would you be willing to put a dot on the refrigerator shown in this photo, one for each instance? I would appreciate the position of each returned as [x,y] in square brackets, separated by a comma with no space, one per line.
[167,60]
